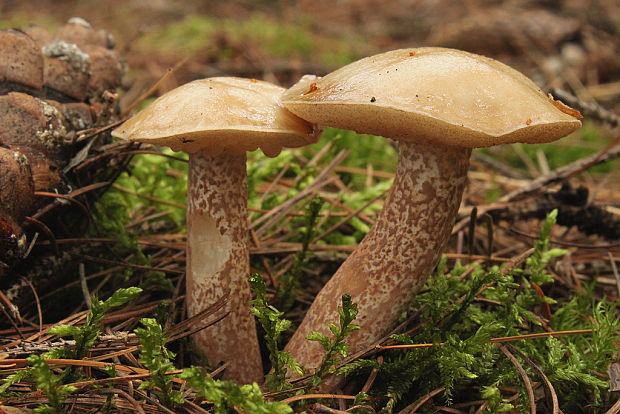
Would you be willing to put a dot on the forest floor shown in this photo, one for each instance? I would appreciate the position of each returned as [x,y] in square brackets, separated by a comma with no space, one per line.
[135,232]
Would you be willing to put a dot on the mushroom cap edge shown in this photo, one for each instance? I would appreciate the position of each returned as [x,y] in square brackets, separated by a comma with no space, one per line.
[220,115]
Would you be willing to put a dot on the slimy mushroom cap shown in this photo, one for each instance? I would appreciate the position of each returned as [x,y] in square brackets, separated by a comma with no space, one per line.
[445,96]
[220,115]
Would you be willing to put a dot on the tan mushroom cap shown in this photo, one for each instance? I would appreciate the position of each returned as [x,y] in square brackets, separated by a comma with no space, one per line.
[441,95]
[220,115]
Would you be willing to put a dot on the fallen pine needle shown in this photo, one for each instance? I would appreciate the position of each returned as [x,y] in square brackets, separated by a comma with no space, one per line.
[312,396]
[495,340]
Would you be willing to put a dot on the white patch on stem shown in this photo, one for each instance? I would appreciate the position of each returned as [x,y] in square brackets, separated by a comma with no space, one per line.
[211,249]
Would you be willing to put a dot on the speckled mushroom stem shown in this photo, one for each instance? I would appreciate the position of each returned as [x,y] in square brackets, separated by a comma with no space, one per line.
[395,258]
[218,262]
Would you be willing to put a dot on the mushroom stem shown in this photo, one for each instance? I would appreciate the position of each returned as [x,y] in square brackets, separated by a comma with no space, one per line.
[218,262]
[396,257]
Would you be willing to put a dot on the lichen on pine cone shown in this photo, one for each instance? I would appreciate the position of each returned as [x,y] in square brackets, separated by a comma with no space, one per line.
[51,87]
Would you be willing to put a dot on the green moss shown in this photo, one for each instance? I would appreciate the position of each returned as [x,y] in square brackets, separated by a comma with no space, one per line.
[179,38]
[150,176]
[22,20]
[469,366]
[278,39]
[223,39]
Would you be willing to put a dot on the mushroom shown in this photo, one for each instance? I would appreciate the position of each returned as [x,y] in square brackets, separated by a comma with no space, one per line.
[438,104]
[217,120]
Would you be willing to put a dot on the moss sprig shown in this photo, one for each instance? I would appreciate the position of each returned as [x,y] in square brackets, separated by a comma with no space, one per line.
[274,325]
[461,314]
[158,360]
[336,347]
[287,290]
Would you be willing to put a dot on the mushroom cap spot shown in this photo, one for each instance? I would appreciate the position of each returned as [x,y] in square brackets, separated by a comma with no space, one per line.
[220,115]
[440,95]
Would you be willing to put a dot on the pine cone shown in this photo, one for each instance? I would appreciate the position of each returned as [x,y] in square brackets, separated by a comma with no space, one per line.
[51,87]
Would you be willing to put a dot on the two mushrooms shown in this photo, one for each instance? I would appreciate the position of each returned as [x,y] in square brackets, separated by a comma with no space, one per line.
[437,103]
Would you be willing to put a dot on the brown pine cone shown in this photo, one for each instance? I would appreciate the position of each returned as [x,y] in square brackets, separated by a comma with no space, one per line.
[31,122]
[21,62]
[80,32]
[51,87]
[66,71]
[16,194]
